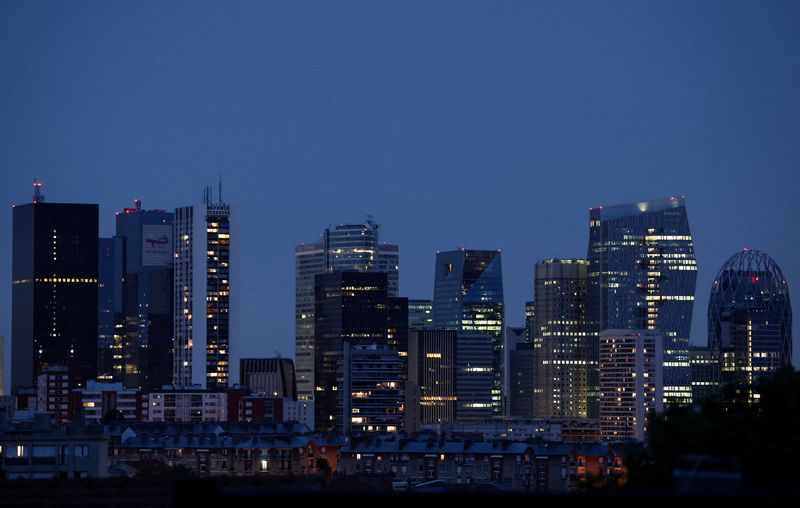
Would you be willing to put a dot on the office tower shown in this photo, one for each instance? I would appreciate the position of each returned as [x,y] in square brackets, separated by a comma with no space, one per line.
[563,343]
[642,274]
[530,314]
[146,296]
[309,261]
[109,278]
[631,382]
[515,335]
[432,371]
[372,374]
[420,314]
[521,381]
[750,318]
[268,376]
[705,373]
[346,247]
[452,373]
[54,289]
[350,309]
[468,297]
[475,380]
[206,347]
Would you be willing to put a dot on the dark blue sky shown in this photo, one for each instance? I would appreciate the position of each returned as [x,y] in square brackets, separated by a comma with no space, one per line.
[485,125]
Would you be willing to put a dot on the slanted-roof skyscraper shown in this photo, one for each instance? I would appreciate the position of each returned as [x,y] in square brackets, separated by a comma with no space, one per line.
[54,295]
[468,297]
[642,274]
[346,247]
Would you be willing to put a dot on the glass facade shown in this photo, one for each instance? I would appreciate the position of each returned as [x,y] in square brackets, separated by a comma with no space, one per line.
[346,247]
[109,276]
[562,342]
[468,297]
[642,275]
[350,309]
[145,313]
[54,295]
[420,314]
[750,318]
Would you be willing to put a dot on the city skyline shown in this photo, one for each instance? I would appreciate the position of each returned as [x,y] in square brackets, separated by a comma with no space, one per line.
[505,130]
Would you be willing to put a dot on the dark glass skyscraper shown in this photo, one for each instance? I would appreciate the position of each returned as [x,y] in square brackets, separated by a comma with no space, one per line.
[468,297]
[562,341]
[54,290]
[750,318]
[351,309]
[147,296]
[346,247]
[642,274]
[109,274]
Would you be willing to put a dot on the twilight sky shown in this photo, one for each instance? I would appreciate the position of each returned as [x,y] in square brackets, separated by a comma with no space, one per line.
[475,124]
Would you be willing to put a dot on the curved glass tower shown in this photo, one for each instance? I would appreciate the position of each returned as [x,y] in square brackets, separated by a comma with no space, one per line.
[642,274]
[750,318]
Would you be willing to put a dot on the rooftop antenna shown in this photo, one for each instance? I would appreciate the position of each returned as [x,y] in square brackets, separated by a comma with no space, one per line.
[371,221]
[38,197]
[138,204]
[219,194]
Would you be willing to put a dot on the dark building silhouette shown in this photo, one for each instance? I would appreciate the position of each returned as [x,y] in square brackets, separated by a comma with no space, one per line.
[109,307]
[750,318]
[268,376]
[345,247]
[145,317]
[351,308]
[54,289]
[642,274]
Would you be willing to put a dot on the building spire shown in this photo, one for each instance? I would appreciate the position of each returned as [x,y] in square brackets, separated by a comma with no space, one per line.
[38,197]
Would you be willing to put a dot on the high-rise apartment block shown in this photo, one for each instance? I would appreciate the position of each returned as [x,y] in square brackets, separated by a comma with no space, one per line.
[631,382]
[206,348]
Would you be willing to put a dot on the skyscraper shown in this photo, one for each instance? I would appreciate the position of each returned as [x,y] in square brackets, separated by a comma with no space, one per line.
[420,314]
[562,342]
[468,297]
[372,375]
[109,274]
[146,308]
[346,247]
[351,309]
[750,318]
[642,274]
[206,342]
[54,289]
[475,380]
[631,382]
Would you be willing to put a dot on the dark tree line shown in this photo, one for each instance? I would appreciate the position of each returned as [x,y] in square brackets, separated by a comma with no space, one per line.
[757,428]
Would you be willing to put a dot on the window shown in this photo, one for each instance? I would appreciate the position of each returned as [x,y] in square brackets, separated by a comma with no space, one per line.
[81,450]
[17,451]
